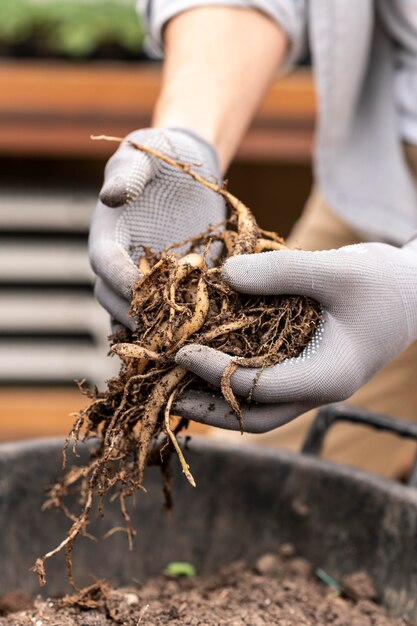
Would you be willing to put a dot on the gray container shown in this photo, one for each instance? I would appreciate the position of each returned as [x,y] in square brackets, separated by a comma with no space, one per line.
[247,502]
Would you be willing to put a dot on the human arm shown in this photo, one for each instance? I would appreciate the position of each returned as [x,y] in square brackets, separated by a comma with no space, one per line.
[212,84]
[219,62]
[400,22]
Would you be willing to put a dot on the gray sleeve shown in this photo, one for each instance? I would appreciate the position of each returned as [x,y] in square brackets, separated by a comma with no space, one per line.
[291,15]
[400,22]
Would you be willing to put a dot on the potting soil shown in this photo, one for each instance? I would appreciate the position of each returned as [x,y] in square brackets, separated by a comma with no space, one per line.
[280,589]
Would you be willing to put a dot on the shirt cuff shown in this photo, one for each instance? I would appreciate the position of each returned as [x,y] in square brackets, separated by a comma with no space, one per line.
[289,14]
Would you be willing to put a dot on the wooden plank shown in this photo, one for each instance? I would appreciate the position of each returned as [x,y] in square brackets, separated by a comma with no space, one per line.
[114,88]
[121,88]
[51,109]
[34,412]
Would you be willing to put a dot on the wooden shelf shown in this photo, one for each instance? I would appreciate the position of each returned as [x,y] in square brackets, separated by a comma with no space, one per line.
[51,109]
[45,412]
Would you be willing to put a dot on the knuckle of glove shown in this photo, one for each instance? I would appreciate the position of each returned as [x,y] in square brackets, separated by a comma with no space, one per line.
[98,253]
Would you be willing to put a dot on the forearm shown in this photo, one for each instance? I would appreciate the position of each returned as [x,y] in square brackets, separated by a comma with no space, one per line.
[218,63]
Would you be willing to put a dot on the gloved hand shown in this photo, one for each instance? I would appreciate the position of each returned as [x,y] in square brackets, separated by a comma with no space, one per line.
[145,201]
[368,293]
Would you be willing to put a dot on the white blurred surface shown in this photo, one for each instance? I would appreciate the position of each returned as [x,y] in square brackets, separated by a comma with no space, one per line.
[51,328]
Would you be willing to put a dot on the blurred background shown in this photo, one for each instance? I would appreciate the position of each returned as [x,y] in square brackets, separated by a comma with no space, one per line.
[69,69]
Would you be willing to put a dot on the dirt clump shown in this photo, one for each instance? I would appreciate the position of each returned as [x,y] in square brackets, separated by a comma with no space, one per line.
[14,601]
[359,586]
[238,595]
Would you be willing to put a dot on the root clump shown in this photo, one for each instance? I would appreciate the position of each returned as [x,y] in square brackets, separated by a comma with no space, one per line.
[181,299]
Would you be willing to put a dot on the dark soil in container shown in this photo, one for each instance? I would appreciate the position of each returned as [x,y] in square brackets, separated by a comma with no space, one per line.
[281,589]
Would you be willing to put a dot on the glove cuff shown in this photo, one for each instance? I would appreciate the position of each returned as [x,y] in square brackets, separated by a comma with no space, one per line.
[407,282]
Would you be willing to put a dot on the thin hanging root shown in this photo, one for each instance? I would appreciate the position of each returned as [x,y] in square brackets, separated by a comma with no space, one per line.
[157,398]
[75,530]
[225,383]
[227,391]
[184,464]
[134,351]
[114,530]
[131,532]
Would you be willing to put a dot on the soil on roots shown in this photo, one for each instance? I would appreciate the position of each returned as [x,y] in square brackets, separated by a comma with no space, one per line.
[181,299]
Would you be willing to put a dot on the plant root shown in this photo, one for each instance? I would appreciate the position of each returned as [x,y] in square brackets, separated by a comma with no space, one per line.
[171,435]
[176,302]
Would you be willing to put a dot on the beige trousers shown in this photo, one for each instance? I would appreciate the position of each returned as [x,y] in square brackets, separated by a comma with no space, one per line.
[393,391]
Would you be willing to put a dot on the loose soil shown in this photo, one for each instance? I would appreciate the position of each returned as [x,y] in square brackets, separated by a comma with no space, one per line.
[281,589]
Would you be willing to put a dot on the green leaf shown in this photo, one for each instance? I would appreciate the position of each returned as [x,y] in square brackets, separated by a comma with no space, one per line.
[178,568]
[328,580]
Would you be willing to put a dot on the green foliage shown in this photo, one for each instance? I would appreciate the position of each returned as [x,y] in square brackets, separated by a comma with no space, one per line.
[75,28]
[178,568]
[17,18]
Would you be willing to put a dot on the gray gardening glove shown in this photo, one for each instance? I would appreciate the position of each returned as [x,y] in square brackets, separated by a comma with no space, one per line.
[145,201]
[368,293]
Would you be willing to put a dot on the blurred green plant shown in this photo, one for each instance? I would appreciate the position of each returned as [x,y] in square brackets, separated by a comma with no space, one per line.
[73,28]
[180,568]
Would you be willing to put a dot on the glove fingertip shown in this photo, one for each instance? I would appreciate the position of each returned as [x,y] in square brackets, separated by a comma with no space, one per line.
[114,193]
[189,354]
[205,362]
[236,272]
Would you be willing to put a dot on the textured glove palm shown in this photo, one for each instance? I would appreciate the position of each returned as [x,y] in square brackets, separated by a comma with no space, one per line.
[369,297]
[144,201]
